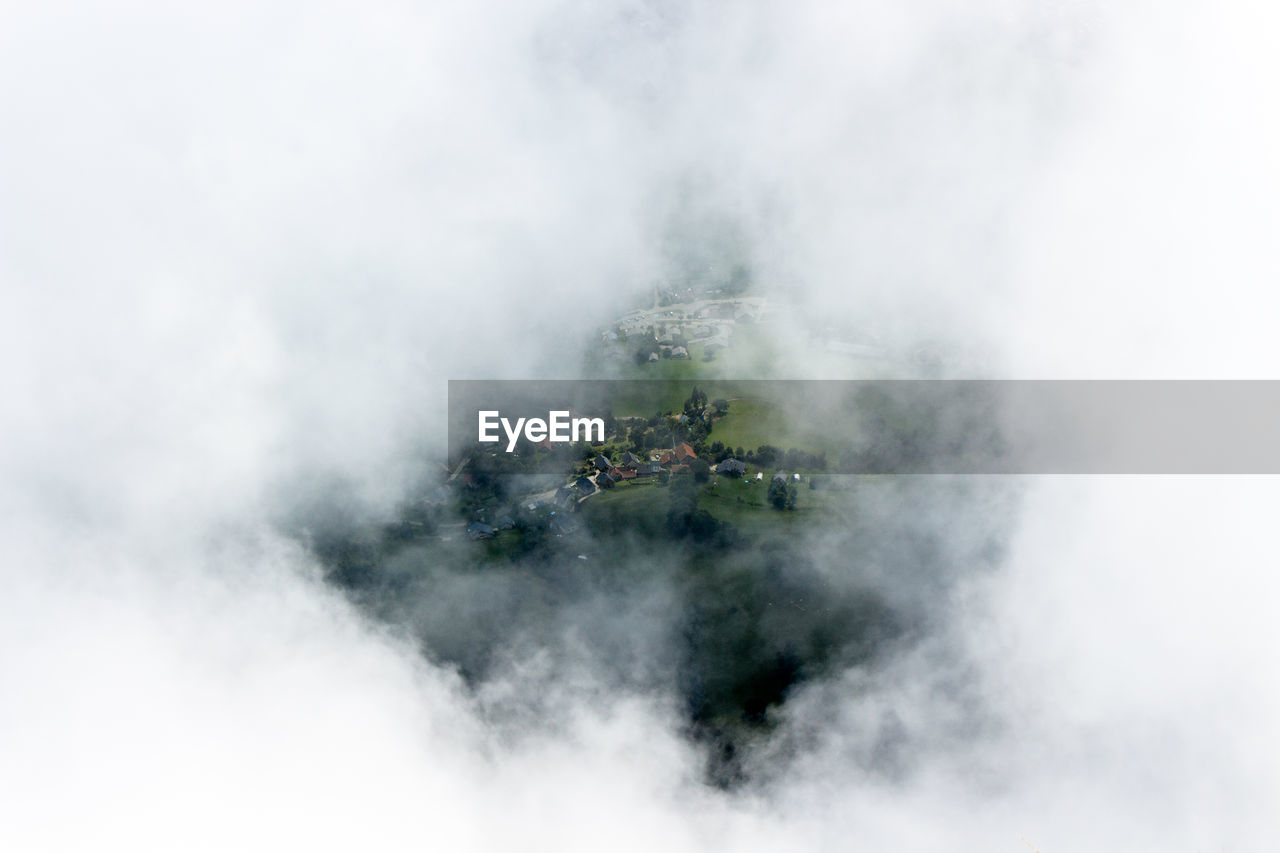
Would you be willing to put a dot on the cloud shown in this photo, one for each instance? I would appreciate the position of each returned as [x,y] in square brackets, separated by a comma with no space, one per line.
[246,246]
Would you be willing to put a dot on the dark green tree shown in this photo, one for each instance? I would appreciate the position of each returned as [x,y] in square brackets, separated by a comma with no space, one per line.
[782,495]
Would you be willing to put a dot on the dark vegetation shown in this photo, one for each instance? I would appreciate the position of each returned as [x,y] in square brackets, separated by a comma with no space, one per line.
[730,617]
[782,495]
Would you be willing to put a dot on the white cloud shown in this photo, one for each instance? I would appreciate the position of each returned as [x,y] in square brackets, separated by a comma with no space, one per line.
[250,241]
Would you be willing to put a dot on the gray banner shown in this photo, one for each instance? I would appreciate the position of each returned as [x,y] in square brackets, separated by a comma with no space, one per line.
[890,426]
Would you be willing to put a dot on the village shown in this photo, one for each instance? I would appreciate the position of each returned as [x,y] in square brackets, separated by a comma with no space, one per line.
[710,327]
[701,327]
[626,462]
[631,469]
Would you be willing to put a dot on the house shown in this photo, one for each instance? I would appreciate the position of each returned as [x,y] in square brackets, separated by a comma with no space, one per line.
[731,467]
[626,474]
[604,481]
[480,530]
[653,356]
[602,463]
[679,352]
[666,458]
[585,485]
[647,469]
[630,460]
[684,452]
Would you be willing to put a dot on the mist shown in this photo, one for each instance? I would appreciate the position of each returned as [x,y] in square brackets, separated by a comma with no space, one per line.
[244,248]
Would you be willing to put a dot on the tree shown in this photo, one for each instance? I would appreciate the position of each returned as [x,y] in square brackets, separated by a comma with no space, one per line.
[641,439]
[696,401]
[721,406]
[782,495]
[682,506]
[777,494]
[739,279]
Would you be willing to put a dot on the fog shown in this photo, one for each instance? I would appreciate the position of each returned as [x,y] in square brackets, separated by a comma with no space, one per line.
[244,248]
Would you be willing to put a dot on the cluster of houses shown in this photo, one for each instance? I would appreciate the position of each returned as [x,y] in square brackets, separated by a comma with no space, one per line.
[608,475]
[480,530]
[632,467]
[709,320]
[559,524]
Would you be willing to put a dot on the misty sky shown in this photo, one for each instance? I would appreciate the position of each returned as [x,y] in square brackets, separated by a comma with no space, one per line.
[244,246]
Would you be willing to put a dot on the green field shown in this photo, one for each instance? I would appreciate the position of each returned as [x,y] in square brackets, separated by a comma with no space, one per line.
[743,504]
[752,422]
[643,399]
[638,506]
[749,423]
